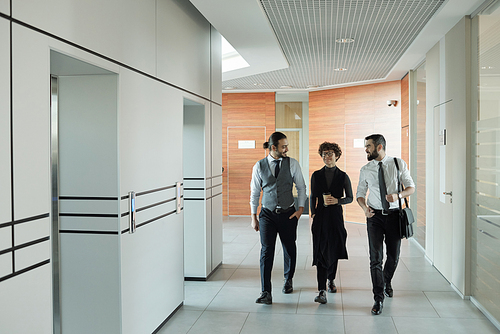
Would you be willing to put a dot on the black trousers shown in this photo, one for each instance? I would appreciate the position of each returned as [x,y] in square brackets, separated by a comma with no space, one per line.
[270,225]
[322,274]
[381,229]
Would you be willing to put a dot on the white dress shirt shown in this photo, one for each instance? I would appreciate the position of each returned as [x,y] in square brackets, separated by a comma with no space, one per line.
[368,180]
[255,184]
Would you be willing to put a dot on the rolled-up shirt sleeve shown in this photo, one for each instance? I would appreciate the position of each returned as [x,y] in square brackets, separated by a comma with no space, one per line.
[406,178]
[300,184]
[362,185]
[255,188]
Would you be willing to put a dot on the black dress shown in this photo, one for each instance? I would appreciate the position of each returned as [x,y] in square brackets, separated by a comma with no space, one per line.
[328,231]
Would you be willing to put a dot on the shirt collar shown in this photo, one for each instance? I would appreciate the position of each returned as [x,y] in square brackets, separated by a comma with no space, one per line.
[270,158]
[384,160]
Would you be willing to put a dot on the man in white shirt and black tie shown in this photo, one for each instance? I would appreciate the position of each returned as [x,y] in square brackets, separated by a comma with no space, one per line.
[380,177]
[275,176]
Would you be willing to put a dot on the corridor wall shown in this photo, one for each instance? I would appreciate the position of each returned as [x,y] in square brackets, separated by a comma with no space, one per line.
[140,42]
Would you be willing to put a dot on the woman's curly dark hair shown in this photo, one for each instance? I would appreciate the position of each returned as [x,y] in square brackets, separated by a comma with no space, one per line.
[326,146]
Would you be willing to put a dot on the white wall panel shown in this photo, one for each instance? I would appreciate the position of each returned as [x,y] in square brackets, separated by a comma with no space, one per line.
[208,237]
[195,250]
[90,289]
[5,7]
[26,305]
[120,29]
[150,144]
[183,50]
[32,230]
[88,224]
[5,238]
[194,141]
[31,123]
[216,142]
[150,134]
[5,264]
[216,66]
[457,79]
[88,155]
[217,233]
[5,181]
[28,256]
[208,142]
[152,281]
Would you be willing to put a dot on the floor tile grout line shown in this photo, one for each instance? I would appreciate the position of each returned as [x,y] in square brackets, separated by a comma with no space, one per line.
[395,327]
[244,322]
[427,297]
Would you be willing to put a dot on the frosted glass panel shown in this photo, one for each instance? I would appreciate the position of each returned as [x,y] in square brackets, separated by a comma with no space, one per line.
[486,170]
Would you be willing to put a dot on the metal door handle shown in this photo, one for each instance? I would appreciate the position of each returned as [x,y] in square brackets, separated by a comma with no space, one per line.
[450,193]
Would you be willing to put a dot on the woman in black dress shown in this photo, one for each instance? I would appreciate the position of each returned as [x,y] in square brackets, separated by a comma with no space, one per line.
[330,189]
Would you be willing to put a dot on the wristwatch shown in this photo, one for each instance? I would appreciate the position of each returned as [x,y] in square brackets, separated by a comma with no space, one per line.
[400,195]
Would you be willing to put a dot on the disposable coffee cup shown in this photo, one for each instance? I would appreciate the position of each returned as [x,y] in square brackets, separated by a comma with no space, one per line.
[325,195]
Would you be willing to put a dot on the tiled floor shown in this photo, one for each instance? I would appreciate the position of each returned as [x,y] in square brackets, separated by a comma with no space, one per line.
[423,300]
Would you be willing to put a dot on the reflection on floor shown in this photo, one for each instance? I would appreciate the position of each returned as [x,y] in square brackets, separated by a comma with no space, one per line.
[423,300]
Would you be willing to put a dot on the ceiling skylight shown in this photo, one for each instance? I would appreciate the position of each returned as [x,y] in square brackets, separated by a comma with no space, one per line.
[231,59]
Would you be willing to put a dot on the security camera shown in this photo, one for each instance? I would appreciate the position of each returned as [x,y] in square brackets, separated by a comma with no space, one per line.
[392,102]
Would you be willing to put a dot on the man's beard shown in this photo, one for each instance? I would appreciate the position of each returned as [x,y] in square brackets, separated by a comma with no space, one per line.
[373,155]
[280,154]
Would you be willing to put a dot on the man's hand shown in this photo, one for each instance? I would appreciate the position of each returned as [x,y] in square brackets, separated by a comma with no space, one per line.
[255,222]
[297,213]
[369,212]
[392,197]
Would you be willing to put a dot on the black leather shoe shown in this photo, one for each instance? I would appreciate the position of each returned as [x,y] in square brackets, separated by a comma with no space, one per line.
[265,298]
[331,287]
[321,298]
[377,308]
[288,287]
[388,290]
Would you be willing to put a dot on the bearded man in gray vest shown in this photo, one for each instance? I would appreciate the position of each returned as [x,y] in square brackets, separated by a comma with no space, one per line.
[275,176]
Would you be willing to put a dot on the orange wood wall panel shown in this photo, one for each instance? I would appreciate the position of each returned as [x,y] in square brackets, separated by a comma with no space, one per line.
[405,101]
[248,116]
[344,114]
[420,155]
[405,119]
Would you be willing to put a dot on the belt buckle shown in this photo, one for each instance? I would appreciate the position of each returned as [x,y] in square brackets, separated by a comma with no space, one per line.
[385,213]
[277,210]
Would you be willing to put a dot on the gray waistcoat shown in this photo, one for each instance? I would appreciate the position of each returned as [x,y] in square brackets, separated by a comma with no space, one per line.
[276,192]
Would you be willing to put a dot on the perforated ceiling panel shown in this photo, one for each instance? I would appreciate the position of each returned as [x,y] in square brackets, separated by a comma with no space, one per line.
[307,31]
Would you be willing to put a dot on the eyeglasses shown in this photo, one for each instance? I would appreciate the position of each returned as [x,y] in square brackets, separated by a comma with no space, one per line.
[327,154]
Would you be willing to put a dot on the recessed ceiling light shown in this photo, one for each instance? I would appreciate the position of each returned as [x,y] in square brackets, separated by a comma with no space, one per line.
[286,86]
[340,69]
[344,40]
[258,84]
[312,86]
[229,87]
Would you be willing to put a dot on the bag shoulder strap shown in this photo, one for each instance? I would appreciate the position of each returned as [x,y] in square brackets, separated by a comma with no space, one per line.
[400,186]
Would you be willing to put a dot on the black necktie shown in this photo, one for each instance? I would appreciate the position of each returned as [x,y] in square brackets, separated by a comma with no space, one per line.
[277,169]
[383,189]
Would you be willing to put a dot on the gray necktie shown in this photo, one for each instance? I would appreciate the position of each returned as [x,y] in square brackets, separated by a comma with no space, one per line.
[277,169]
[383,189]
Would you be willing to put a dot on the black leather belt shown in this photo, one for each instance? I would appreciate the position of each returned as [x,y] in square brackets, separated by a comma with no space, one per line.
[384,213]
[281,210]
